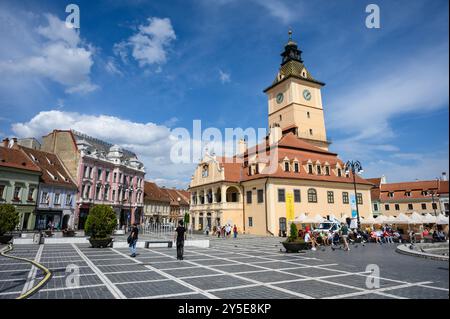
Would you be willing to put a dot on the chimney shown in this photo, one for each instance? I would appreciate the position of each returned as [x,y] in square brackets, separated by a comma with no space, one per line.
[242,146]
[444,176]
[5,142]
[275,135]
[383,179]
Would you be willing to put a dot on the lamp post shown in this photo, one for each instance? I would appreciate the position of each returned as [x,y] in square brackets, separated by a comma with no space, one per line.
[356,168]
[434,194]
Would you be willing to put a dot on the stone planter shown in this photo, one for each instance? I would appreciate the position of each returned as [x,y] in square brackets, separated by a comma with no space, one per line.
[68,233]
[5,239]
[100,243]
[294,247]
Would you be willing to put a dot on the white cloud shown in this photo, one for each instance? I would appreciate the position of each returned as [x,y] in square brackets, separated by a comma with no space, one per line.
[149,45]
[389,90]
[151,142]
[278,9]
[112,68]
[417,166]
[224,77]
[53,52]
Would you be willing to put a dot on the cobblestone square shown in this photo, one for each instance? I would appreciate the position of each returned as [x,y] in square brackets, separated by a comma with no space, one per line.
[244,268]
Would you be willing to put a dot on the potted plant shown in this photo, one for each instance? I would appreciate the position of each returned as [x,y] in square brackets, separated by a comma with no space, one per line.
[100,224]
[9,219]
[293,244]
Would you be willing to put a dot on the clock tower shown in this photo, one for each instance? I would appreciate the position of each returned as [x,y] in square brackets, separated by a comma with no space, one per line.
[295,101]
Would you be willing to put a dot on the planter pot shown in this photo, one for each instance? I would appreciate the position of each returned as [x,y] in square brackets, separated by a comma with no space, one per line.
[5,239]
[68,233]
[294,247]
[100,243]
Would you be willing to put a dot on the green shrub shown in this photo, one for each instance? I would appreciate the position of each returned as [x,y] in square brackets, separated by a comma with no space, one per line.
[293,233]
[9,218]
[101,222]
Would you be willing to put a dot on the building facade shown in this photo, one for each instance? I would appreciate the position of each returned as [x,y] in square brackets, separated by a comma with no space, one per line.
[57,192]
[19,182]
[104,174]
[156,204]
[407,197]
[179,204]
[291,173]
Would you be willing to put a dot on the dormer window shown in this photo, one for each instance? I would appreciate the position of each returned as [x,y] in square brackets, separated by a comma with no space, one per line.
[205,171]
[327,170]
[319,170]
[339,172]
[310,169]
[408,194]
[425,193]
[286,166]
[391,194]
[296,167]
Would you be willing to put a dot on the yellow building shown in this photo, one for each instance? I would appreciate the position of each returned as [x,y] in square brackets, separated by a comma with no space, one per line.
[292,172]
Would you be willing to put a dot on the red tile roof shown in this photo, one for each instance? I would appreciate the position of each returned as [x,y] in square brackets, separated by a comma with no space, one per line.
[16,158]
[400,189]
[443,187]
[174,195]
[53,170]
[153,193]
[291,147]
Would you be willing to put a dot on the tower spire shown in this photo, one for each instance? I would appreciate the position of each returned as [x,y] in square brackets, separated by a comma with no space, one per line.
[291,51]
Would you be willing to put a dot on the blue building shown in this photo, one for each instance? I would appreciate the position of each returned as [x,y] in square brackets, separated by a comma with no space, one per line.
[57,193]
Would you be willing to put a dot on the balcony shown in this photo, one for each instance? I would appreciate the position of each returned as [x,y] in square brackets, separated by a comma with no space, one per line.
[216,206]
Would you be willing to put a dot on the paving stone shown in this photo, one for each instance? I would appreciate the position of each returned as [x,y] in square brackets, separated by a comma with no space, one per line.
[316,289]
[236,268]
[269,276]
[133,277]
[137,290]
[187,272]
[258,292]
[417,292]
[217,282]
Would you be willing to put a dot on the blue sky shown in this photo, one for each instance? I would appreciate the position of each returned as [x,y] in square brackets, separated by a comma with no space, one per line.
[139,68]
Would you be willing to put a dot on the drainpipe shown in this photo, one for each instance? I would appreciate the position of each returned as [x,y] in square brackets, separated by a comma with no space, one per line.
[265,205]
[243,205]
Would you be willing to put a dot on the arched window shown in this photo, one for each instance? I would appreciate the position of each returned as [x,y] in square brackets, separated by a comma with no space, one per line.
[205,171]
[312,195]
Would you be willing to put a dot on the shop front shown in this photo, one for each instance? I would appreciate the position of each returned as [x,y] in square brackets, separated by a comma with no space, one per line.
[26,217]
[48,220]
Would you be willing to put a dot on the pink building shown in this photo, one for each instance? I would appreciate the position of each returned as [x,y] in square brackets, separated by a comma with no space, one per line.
[105,174]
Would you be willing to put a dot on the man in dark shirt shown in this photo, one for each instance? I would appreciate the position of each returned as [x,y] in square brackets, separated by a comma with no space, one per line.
[180,236]
[133,240]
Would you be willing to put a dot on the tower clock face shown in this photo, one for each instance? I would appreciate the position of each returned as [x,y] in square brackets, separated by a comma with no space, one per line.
[307,95]
[280,98]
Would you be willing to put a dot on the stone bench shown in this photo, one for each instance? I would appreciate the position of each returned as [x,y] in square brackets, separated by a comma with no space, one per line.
[148,242]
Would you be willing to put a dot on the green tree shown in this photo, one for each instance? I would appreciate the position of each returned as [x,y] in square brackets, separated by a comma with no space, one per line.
[101,222]
[187,219]
[9,218]
[293,234]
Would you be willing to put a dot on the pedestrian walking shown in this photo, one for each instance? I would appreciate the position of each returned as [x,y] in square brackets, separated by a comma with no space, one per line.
[344,234]
[235,231]
[180,236]
[133,239]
